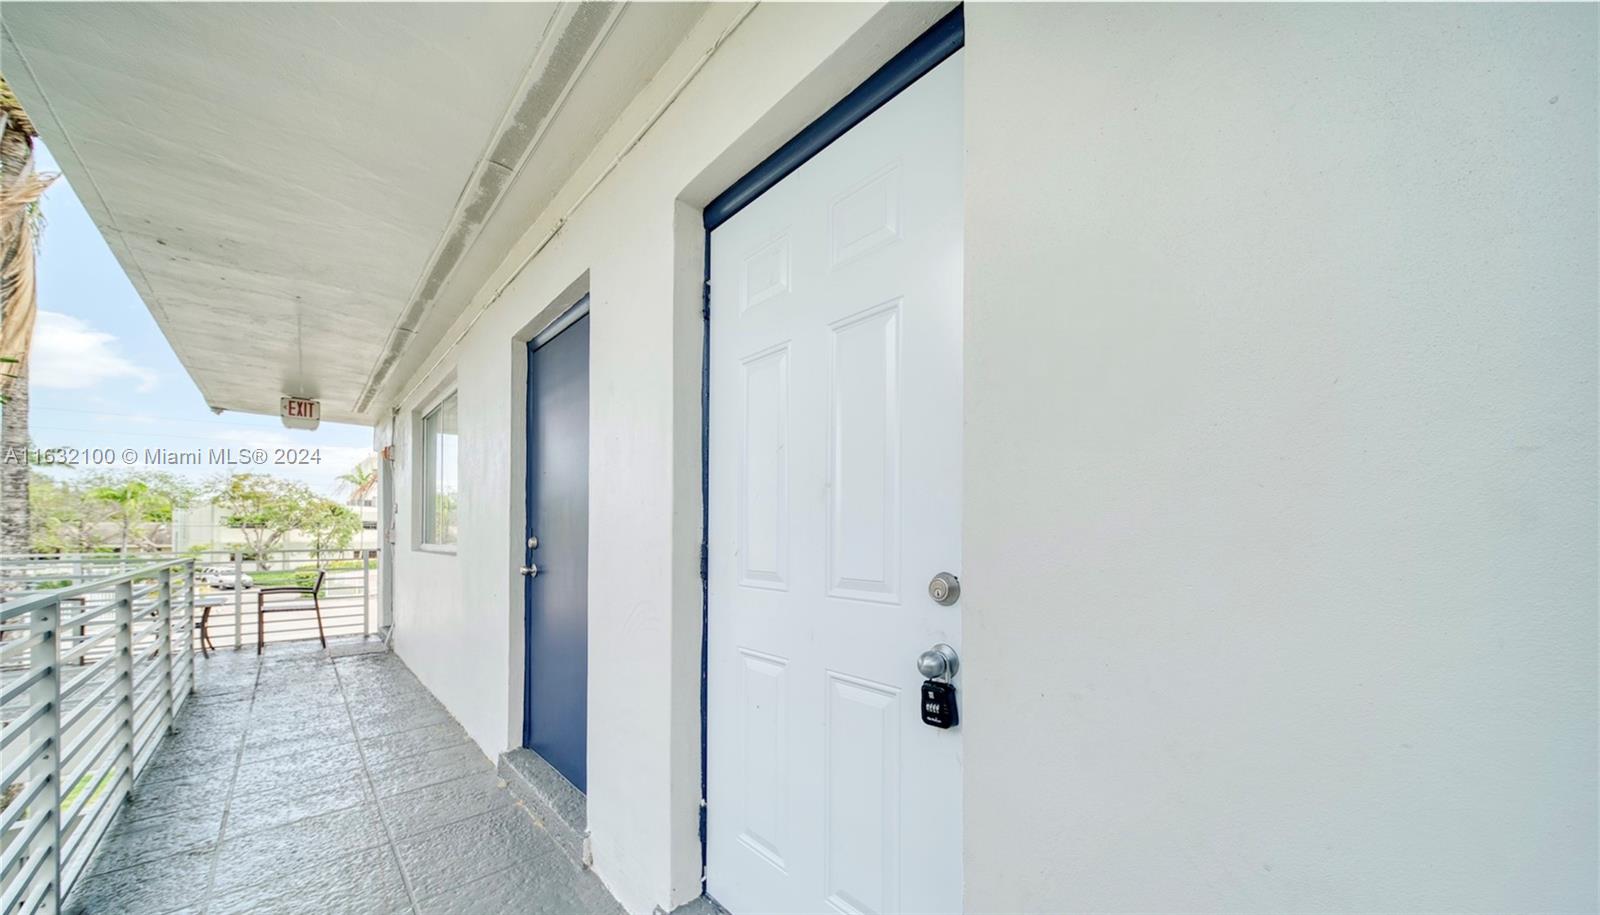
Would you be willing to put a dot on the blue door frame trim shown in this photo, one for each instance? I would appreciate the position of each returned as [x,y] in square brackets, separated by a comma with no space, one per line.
[930,49]
[927,51]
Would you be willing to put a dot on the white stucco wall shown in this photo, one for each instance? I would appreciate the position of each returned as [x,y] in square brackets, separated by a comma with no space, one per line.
[636,246]
[1280,578]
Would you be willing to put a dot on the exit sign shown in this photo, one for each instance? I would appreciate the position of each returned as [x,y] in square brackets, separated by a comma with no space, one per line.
[300,413]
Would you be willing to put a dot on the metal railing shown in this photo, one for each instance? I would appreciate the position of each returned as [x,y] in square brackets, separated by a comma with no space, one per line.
[348,598]
[91,677]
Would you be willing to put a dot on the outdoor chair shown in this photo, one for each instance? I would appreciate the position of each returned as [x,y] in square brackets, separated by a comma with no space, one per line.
[262,609]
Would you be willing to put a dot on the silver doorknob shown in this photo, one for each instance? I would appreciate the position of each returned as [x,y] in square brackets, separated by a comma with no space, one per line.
[530,570]
[939,661]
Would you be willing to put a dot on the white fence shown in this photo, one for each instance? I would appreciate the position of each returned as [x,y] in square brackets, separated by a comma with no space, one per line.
[91,675]
[348,598]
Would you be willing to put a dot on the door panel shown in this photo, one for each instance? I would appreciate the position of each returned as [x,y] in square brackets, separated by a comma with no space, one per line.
[835,488]
[555,723]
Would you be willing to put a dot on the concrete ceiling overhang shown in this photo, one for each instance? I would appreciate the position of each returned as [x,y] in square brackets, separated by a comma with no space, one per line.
[302,193]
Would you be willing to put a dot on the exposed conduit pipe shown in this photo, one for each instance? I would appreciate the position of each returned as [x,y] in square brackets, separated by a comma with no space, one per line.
[650,122]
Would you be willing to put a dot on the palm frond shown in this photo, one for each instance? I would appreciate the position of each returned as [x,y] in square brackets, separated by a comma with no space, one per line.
[19,229]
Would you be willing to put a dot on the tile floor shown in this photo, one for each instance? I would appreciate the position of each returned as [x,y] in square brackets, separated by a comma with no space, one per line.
[311,782]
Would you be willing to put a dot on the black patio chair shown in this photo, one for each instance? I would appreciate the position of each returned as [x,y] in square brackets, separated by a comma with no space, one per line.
[262,609]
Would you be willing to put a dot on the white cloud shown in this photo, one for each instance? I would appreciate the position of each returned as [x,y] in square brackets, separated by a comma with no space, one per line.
[69,354]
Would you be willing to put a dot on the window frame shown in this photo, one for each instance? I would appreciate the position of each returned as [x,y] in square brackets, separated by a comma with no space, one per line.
[424,479]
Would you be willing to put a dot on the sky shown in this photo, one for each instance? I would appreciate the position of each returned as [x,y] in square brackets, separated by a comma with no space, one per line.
[103,379]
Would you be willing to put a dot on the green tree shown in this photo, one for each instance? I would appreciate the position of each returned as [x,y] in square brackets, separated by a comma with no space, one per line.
[63,518]
[142,503]
[129,500]
[330,525]
[263,508]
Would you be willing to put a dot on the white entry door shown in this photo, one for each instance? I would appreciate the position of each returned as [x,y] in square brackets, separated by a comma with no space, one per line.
[835,494]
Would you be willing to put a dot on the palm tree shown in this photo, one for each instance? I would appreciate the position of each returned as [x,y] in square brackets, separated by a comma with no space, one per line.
[20,223]
[361,479]
[132,503]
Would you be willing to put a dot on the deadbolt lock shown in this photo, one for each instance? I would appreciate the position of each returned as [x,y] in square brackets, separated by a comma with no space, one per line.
[945,589]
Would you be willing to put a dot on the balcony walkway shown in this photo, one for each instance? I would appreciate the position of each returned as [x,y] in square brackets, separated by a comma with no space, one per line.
[307,783]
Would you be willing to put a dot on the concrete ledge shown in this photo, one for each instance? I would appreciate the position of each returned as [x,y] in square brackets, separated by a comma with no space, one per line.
[559,806]
[700,905]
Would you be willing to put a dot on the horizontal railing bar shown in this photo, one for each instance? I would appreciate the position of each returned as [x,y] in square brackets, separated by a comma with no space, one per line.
[21,885]
[86,645]
[35,900]
[19,845]
[46,598]
[22,802]
[151,669]
[145,711]
[18,646]
[146,591]
[22,686]
[87,734]
[145,747]
[20,725]
[71,864]
[86,674]
[77,714]
[83,618]
[87,768]
[13,772]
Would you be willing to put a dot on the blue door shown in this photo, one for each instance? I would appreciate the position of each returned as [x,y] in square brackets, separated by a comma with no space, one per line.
[556,567]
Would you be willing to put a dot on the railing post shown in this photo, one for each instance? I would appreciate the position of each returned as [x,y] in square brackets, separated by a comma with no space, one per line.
[47,767]
[188,628]
[238,598]
[124,691]
[366,593]
[164,644]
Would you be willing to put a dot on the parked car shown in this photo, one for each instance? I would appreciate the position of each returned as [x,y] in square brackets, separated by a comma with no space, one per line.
[218,577]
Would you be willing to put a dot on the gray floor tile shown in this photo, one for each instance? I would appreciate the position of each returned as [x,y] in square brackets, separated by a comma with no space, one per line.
[550,885]
[437,805]
[248,813]
[405,719]
[387,748]
[323,741]
[289,727]
[157,886]
[363,883]
[430,768]
[132,842]
[457,854]
[313,770]
[210,733]
[173,760]
[303,832]
[273,853]
[181,781]
[150,803]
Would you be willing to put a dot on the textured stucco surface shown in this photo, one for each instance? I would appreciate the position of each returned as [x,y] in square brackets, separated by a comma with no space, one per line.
[303,783]
[1281,419]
